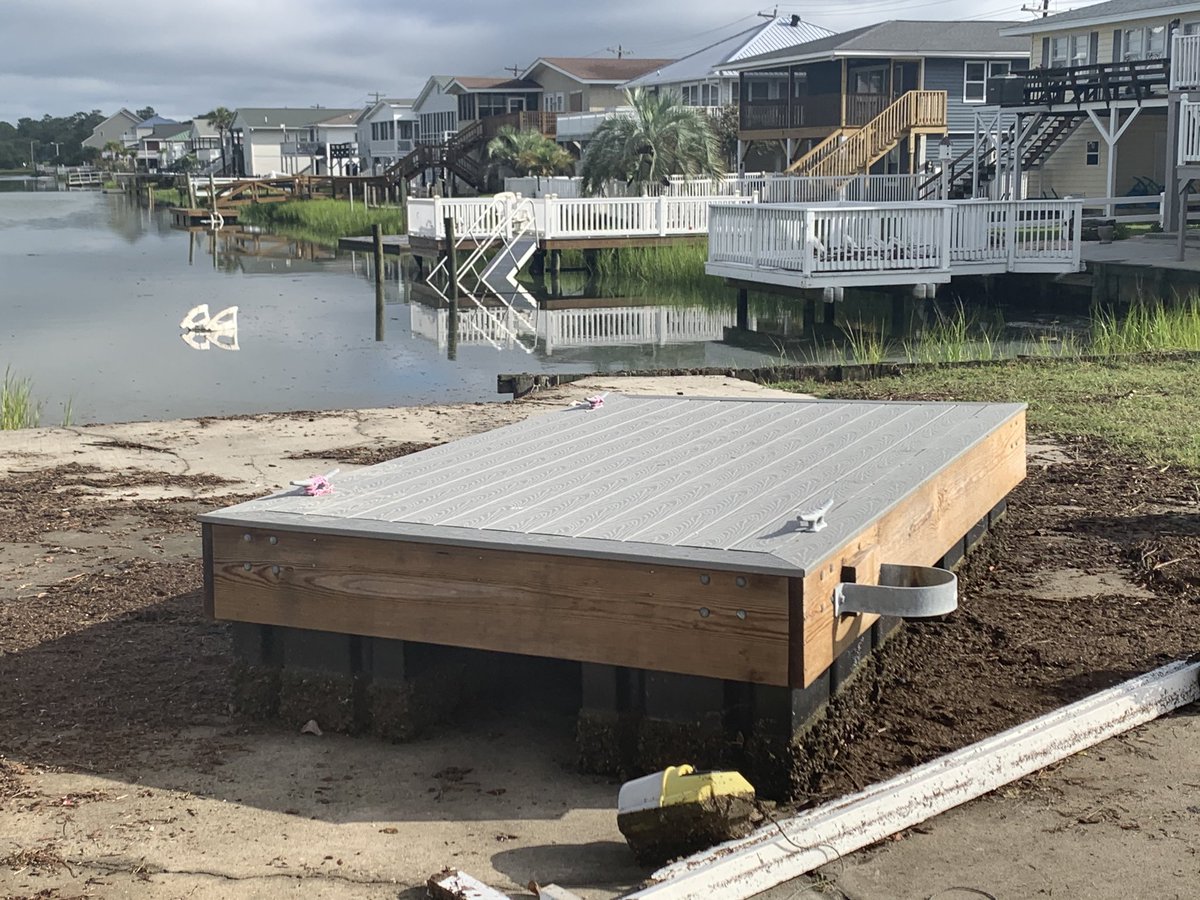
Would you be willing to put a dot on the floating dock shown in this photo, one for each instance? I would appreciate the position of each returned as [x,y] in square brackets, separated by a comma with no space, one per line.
[657,536]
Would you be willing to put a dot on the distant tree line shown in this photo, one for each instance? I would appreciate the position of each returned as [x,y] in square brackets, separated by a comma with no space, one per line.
[56,140]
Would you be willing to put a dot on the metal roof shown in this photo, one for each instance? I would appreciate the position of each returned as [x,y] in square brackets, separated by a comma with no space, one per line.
[709,62]
[602,70]
[687,481]
[1103,13]
[287,117]
[901,38]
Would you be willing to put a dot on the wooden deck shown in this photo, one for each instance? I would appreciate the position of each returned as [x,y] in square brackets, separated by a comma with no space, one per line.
[820,245]
[653,533]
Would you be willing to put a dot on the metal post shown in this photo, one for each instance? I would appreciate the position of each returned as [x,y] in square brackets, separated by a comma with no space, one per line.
[377,247]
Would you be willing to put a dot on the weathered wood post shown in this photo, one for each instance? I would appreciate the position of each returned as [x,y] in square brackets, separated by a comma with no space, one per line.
[191,184]
[743,309]
[452,270]
[377,249]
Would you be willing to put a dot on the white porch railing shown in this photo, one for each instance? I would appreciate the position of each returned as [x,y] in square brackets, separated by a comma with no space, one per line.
[1185,61]
[1189,132]
[771,188]
[894,242]
[829,238]
[580,217]
[574,126]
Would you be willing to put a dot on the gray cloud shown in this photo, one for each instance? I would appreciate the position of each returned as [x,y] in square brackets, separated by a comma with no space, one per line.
[59,56]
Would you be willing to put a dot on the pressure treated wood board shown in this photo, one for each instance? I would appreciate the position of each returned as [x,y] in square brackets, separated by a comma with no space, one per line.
[641,615]
[680,481]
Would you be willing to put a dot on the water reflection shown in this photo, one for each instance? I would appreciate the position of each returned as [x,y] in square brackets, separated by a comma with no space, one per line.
[202,331]
[94,287]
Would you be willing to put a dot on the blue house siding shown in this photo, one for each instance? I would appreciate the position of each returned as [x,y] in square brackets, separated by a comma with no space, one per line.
[948,75]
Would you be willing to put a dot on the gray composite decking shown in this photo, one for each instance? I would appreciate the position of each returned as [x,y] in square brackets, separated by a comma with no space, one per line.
[687,481]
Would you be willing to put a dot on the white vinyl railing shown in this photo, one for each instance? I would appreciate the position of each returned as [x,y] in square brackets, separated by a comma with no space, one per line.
[1189,132]
[771,188]
[1185,61]
[827,238]
[819,239]
[1015,232]
[578,217]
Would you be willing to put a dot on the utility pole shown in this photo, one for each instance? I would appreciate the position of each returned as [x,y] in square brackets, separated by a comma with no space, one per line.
[1045,10]
[32,161]
[378,96]
[619,50]
[516,70]
[769,15]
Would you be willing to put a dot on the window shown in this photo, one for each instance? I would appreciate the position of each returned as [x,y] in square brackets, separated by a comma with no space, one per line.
[555,102]
[868,81]
[1060,51]
[976,74]
[1070,50]
[1149,42]
[1092,156]
[735,91]
[700,95]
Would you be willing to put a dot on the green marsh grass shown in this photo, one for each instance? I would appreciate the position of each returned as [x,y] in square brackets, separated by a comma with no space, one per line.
[322,221]
[1148,326]
[18,409]
[1141,407]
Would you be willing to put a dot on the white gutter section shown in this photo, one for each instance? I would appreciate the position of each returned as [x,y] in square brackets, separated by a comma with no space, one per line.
[765,859]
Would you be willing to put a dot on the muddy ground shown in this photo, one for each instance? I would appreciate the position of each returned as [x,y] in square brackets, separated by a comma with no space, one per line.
[125,772]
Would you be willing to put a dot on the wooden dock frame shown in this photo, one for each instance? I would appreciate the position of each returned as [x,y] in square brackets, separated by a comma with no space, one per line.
[767,650]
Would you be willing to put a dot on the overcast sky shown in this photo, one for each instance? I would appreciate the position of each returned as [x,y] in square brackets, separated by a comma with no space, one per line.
[61,56]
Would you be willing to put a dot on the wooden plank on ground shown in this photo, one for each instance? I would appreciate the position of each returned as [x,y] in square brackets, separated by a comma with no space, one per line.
[917,530]
[626,614]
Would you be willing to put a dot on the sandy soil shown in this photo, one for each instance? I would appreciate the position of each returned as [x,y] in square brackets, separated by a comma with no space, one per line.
[123,771]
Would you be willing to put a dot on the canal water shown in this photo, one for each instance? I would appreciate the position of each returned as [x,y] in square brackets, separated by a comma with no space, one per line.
[93,290]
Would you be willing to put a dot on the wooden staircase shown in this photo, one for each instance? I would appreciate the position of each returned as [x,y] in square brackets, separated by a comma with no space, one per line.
[455,155]
[853,151]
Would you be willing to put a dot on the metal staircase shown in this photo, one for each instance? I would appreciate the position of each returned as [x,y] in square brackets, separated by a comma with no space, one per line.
[502,239]
[854,151]
[1039,138]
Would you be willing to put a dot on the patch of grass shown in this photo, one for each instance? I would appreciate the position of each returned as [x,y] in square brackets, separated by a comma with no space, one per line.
[1141,407]
[1149,326]
[864,343]
[171,196]
[954,337]
[18,409]
[322,221]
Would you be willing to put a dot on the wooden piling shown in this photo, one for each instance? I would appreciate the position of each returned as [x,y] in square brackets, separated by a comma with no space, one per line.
[743,309]
[452,270]
[377,249]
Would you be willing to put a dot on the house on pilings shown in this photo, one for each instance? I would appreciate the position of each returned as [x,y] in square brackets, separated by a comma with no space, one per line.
[877,99]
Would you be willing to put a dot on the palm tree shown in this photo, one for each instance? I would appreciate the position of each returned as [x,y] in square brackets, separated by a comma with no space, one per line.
[528,153]
[221,119]
[113,151]
[661,137]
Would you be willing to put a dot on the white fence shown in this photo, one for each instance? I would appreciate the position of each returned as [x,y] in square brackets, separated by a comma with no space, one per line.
[555,217]
[1185,61]
[771,188]
[893,242]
